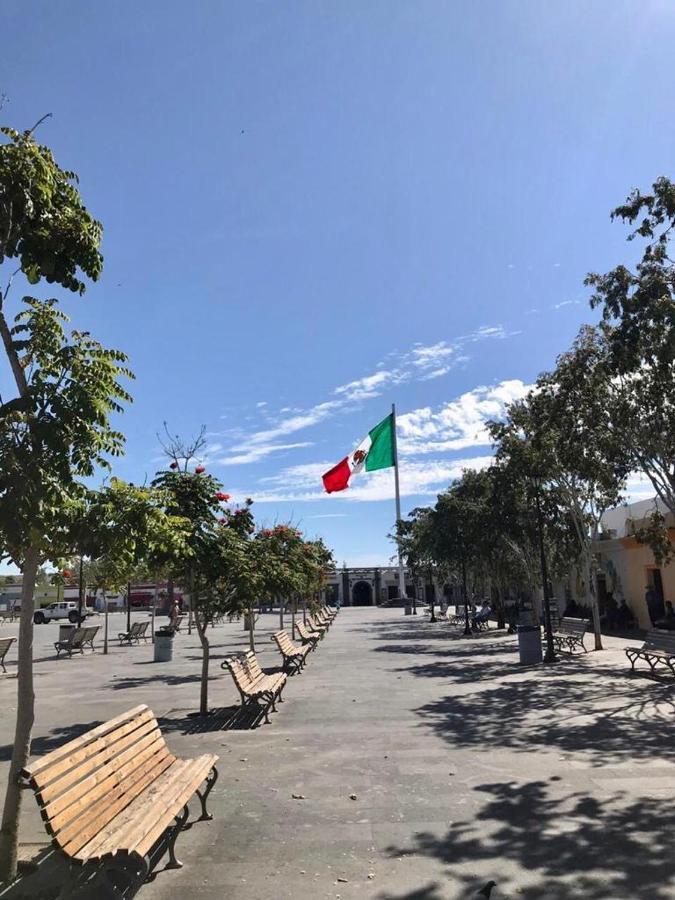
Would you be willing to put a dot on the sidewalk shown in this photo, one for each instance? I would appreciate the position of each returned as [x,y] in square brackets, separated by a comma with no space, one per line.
[428,763]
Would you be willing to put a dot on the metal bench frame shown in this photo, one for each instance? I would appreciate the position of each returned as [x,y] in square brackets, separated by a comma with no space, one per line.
[78,639]
[570,633]
[5,644]
[135,633]
[657,650]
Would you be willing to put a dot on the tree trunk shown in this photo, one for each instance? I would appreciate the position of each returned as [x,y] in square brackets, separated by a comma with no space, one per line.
[25,715]
[304,610]
[293,606]
[590,595]
[206,648]
[281,614]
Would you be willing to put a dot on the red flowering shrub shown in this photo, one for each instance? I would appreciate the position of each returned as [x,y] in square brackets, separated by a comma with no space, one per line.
[223,498]
[200,469]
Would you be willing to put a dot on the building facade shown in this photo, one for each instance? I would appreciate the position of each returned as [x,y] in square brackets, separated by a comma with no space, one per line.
[627,569]
[368,586]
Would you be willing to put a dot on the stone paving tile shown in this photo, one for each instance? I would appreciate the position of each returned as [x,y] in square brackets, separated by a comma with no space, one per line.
[557,783]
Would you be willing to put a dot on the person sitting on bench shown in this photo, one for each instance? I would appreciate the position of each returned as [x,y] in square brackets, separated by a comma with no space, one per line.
[481,615]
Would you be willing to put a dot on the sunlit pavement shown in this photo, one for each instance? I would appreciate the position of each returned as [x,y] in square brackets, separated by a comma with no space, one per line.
[423,764]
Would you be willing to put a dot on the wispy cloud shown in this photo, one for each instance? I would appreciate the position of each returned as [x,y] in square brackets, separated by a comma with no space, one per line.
[566,303]
[421,363]
[254,453]
[459,423]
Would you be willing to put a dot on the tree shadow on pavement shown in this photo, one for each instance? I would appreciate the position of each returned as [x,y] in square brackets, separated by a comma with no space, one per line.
[604,718]
[56,737]
[575,845]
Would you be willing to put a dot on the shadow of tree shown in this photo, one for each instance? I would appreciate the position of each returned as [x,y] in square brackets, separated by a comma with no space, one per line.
[575,712]
[578,846]
[56,737]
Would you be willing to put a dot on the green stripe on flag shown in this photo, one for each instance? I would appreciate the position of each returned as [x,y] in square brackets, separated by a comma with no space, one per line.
[381,453]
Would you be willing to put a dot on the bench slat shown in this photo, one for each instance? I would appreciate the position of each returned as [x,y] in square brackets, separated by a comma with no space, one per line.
[103,780]
[59,776]
[49,759]
[134,822]
[74,837]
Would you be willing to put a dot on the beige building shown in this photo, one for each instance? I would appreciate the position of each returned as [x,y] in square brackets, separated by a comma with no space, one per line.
[626,567]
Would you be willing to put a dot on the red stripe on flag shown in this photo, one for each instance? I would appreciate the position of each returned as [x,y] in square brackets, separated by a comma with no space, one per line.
[337,479]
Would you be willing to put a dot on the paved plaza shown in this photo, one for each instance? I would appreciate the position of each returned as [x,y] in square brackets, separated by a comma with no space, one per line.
[407,762]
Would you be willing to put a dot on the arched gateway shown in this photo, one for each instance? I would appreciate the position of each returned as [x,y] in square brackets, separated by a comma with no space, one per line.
[362,594]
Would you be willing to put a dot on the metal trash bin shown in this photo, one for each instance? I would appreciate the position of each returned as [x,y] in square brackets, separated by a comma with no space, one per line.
[408,610]
[163,645]
[529,644]
[65,631]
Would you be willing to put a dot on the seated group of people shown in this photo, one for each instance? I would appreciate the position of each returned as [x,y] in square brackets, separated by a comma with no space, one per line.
[480,615]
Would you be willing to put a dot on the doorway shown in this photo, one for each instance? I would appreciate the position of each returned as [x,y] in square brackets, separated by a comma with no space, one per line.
[362,594]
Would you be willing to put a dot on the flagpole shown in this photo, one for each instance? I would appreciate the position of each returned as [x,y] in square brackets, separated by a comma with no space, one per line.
[401,568]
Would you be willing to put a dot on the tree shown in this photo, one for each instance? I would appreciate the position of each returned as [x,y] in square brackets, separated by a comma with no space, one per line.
[56,429]
[563,431]
[638,325]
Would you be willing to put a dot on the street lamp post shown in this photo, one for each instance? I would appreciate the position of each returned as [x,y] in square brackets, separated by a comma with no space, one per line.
[549,656]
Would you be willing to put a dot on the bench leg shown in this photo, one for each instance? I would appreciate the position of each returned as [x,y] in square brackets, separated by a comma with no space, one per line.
[210,781]
[181,819]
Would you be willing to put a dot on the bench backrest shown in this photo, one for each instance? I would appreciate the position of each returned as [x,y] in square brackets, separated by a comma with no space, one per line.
[77,637]
[252,666]
[82,785]
[5,644]
[658,639]
[573,626]
[135,629]
[284,642]
[143,628]
[91,632]
[302,631]
[239,671]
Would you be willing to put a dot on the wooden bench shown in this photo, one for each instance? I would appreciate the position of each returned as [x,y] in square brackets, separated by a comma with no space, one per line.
[314,625]
[118,792]
[307,635]
[570,633]
[254,685]
[79,638]
[294,657]
[135,633]
[323,619]
[328,612]
[5,644]
[657,650]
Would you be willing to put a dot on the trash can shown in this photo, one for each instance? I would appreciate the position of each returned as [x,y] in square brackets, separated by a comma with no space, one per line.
[529,644]
[164,644]
[65,631]
[408,610]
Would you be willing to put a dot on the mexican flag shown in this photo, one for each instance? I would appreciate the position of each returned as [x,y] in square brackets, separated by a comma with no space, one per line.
[376,451]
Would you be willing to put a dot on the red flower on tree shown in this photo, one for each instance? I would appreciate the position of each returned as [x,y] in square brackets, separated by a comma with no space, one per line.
[66,573]
[173,465]
[223,498]
[200,469]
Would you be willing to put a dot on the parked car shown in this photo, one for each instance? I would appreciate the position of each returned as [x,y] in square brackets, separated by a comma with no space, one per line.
[66,609]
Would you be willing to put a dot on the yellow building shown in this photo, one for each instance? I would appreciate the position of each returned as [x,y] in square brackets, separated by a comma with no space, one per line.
[627,568]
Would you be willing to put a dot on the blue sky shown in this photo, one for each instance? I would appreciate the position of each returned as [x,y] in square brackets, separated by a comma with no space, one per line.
[315,209]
